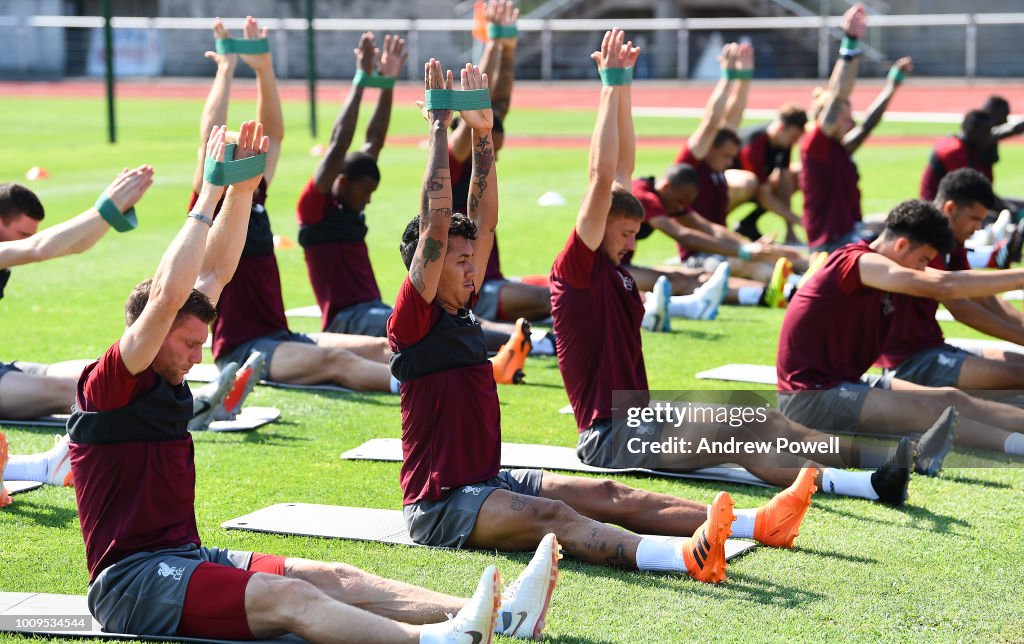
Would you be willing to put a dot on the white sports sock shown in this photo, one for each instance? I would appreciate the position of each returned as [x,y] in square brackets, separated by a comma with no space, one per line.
[980,256]
[743,524]
[848,483]
[395,385]
[685,306]
[435,633]
[1014,444]
[658,555]
[28,467]
[794,279]
[749,295]
[541,344]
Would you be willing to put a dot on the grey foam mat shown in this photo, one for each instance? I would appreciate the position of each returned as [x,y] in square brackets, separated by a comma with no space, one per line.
[40,605]
[206,372]
[985,343]
[761,374]
[551,457]
[17,487]
[57,420]
[311,311]
[365,524]
[247,420]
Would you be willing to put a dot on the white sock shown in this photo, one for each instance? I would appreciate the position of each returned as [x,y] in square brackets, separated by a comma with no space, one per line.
[685,306]
[658,555]
[28,467]
[749,295]
[979,257]
[434,633]
[395,385]
[743,524]
[1014,444]
[848,483]
[542,344]
[793,279]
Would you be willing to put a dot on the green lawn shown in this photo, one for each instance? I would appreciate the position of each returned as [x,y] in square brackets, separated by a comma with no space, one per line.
[946,567]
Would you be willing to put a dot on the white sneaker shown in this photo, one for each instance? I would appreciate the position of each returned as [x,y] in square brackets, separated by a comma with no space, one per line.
[210,398]
[999,227]
[474,624]
[58,463]
[656,317]
[713,291]
[524,606]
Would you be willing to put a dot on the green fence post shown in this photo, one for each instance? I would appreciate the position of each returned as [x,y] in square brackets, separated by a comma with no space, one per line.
[311,67]
[108,47]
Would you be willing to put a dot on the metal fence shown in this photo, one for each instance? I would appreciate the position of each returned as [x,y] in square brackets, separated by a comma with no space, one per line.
[949,45]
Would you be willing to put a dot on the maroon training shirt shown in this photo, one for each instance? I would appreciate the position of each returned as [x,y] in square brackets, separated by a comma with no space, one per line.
[951,153]
[451,422]
[135,486]
[338,262]
[914,327]
[829,183]
[835,326]
[597,312]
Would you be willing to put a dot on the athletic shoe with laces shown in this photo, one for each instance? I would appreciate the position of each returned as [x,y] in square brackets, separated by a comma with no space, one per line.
[1000,227]
[1008,250]
[5,498]
[704,552]
[524,605]
[656,319]
[892,480]
[935,443]
[774,294]
[474,624]
[58,463]
[713,291]
[250,373]
[509,361]
[210,397]
[777,523]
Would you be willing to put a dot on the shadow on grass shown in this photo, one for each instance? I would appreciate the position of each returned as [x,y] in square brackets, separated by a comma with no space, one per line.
[274,438]
[970,480]
[924,519]
[740,585]
[832,554]
[51,516]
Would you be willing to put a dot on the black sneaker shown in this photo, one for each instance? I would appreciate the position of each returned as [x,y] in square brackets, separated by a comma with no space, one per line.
[892,479]
[934,444]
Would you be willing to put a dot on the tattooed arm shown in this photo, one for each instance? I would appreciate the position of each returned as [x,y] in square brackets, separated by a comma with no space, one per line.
[389,63]
[436,203]
[483,187]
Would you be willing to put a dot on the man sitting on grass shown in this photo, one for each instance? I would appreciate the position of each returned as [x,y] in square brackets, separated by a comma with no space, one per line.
[837,324]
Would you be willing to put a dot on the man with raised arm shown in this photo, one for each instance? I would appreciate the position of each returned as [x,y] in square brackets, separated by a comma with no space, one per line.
[28,389]
[915,349]
[454,492]
[838,322]
[832,212]
[134,470]
[605,355]
[250,315]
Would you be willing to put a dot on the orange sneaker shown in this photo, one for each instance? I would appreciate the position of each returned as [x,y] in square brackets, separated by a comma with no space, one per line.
[5,498]
[704,552]
[508,363]
[777,523]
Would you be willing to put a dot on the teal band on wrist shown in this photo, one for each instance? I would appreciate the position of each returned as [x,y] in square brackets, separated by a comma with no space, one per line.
[243,46]
[850,43]
[450,99]
[896,75]
[121,222]
[744,252]
[617,76]
[229,171]
[362,79]
[495,32]
[737,74]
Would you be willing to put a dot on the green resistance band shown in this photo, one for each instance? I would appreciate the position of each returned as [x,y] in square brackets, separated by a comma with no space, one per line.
[617,76]
[495,32]
[450,99]
[362,79]
[229,171]
[243,46]
[737,74]
[896,75]
[121,222]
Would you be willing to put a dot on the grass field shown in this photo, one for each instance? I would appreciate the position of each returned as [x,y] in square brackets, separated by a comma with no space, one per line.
[947,567]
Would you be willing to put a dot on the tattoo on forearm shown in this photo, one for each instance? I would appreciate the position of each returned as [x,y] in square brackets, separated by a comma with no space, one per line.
[432,184]
[416,276]
[431,249]
[473,203]
[618,559]
[483,160]
[517,503]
